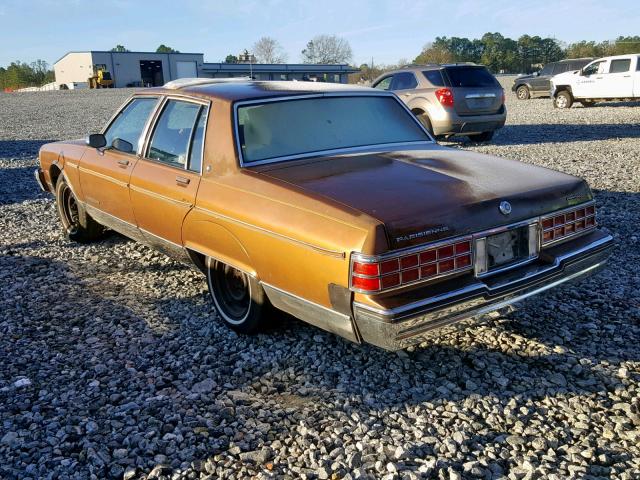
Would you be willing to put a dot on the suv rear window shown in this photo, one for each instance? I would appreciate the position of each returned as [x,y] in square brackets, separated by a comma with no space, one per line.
[435,77]
[471,77]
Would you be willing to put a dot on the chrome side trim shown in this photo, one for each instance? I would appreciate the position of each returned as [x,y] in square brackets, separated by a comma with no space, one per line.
[103,177]
[312,313]
[325,251]
[125,228]
[159,196]
[323,152]
[168,247]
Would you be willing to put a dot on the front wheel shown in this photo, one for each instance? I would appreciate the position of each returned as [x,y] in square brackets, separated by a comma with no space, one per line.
[481,137]
[238,297]
[78,226]
[563,100]
[523,93]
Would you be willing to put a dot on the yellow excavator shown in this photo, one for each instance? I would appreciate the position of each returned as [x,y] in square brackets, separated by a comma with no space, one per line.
[101,77]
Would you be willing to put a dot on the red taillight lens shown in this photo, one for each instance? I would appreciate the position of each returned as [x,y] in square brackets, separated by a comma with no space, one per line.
[370,275]
[566,224]
[445,97]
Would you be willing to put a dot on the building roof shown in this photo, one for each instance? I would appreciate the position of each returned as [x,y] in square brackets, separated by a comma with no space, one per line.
[124,53]
[249,90]
[278,67]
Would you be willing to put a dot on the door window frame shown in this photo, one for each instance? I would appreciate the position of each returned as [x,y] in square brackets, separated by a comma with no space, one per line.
[619,60]
[145,130]
[154,122]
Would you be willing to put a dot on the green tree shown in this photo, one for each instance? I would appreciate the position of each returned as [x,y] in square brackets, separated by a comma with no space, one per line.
[164,49]
[624,45]
[231,59]
[120,48]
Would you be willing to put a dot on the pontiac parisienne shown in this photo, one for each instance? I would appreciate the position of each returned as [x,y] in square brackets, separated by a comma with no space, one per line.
[329,202]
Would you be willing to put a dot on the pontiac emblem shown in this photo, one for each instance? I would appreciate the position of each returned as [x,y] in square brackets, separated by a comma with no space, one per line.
[505,207]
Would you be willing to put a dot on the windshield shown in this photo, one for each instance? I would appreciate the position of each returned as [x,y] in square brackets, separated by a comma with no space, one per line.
[471,77]
[310,125]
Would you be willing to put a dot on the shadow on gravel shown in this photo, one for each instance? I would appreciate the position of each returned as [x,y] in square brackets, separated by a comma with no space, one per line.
[21,148]
[525,134]
[126,378]
[18,185]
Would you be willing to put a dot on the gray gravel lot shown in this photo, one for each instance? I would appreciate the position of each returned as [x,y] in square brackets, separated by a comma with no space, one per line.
[113,363]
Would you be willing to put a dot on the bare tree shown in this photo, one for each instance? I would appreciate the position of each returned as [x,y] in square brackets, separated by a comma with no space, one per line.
[327,49]
[268,50]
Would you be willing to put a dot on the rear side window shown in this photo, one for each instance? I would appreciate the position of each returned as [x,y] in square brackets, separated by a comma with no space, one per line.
[173,131]
[619,66]
[129,123]
[404,81]
[471,77]
[434,77]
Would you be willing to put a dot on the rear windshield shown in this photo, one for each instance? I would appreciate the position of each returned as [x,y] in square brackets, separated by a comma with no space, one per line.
[306,126]
[471,77]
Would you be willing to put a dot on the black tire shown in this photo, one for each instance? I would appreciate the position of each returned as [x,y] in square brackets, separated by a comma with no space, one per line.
[563,99]
[77,224]
[239,298]
[523,93]
[425,121]
[481,137]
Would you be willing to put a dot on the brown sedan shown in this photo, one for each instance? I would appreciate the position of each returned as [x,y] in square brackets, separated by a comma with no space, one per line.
[331,203]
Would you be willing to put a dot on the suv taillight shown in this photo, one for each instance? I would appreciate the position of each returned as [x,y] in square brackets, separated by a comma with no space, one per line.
[371,274]
[445,96]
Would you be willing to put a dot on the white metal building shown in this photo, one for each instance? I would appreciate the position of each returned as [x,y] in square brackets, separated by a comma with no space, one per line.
[128,69]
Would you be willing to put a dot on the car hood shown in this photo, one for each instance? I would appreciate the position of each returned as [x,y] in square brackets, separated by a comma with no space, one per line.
[422,195]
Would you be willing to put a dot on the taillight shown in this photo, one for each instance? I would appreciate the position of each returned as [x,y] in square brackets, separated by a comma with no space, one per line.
[445,97]
[568,223]
[504,97]
[371,274]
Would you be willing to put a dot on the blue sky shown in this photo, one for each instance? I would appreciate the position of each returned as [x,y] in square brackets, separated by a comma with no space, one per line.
[385,30]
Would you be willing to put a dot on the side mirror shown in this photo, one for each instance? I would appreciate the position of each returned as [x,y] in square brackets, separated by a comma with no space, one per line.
[122,145]
[96,140]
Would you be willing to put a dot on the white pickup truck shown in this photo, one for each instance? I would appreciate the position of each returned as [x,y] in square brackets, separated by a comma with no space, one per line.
[607,78]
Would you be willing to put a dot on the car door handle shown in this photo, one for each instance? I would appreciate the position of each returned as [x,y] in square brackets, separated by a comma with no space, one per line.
[182,180]
[627,76]
[123,163]
[599,78]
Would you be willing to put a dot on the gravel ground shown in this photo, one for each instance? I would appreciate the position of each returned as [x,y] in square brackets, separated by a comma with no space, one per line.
[114,365]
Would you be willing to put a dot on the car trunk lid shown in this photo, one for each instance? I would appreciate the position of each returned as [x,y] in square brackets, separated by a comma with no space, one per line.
[425,195]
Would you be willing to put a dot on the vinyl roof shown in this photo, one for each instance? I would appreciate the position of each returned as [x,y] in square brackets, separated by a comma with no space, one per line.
[248,90]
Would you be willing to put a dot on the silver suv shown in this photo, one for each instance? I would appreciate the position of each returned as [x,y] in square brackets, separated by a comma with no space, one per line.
[450,99]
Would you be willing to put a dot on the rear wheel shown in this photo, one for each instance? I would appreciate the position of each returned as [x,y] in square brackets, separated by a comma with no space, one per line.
[523,93]
[481,137]
[238,297]
[78,226]
[564,99]
[425,121]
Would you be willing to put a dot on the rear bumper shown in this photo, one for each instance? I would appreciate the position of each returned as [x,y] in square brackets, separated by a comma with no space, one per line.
[42,182]
[398,327]
[456,124]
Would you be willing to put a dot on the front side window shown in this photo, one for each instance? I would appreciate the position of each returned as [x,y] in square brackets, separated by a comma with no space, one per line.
[404,81]
[130,122]
[383,84]
[173,132]
[620,66]
[312,125]
[547,70]
[592,68]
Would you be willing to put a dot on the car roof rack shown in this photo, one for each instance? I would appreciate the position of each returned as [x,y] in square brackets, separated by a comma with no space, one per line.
[190,82]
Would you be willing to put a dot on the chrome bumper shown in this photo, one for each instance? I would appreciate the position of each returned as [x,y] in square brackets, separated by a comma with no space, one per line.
[39,174]
[398,327]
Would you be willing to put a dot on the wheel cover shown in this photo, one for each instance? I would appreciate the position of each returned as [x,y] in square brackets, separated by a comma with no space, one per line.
[561,101]
[230,290]
[522,93]
[69,208]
